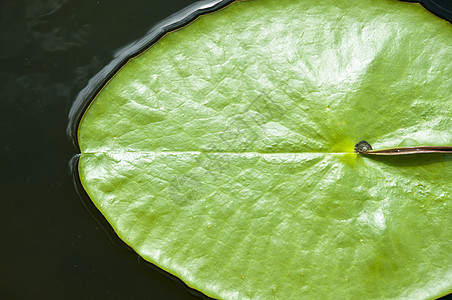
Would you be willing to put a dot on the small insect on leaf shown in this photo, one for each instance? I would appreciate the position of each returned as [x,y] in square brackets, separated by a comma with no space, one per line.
[362,147]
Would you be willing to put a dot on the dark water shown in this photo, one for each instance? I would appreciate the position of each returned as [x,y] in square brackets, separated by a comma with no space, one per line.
[52,247]
[54,242]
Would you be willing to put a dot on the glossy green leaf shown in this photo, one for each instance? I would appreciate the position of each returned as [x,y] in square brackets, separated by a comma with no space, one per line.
[224,153]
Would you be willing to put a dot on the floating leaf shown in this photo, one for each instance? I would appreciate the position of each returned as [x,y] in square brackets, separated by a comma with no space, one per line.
[224,152]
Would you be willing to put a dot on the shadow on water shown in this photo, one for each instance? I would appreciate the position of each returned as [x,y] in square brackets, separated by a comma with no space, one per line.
[411,160]
[440,8]
[193,292]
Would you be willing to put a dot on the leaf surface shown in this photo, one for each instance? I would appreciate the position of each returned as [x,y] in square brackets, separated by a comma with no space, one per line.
[224,153]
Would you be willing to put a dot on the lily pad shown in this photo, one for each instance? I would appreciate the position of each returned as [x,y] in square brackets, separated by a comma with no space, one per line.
[224,153]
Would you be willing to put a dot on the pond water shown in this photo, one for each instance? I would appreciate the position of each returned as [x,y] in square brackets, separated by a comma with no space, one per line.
[55,242]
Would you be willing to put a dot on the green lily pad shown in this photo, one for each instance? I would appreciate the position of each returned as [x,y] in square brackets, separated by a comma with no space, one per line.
[224,153]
